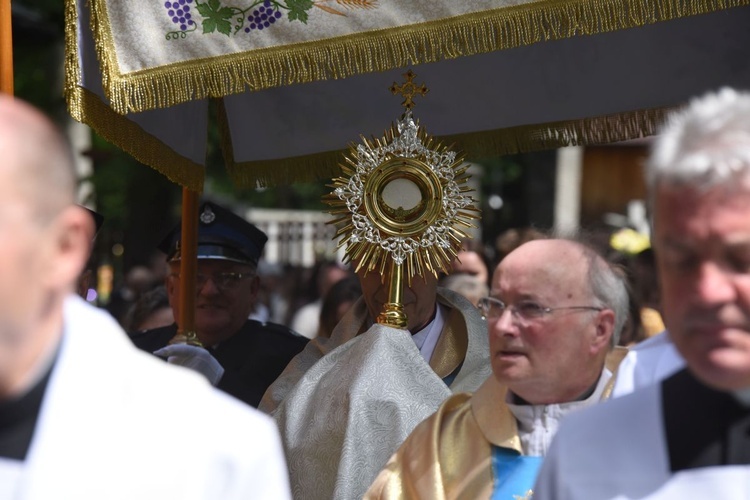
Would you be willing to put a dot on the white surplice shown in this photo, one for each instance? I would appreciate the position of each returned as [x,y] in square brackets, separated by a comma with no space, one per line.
[117,423]
[618,450]
[648,362]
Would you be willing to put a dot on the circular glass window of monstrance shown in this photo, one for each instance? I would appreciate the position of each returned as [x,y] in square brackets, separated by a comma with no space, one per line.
[403,197]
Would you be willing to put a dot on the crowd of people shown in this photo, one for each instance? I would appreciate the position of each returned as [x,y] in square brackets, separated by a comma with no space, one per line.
[558,368]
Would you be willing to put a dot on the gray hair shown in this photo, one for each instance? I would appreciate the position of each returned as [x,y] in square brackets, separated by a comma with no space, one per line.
[705,145]
[610,289]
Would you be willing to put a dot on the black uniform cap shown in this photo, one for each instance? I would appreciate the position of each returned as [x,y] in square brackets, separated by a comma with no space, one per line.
[222,235]
[96,217]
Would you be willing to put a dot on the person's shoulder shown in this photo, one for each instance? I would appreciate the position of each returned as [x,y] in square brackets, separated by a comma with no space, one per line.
[151,340]
[456,403]
[439,429]
[659,341]
[175,393]
[274,329]
[612,416]
[229,410]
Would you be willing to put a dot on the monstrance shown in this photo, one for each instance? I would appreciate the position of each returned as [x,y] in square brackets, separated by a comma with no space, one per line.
[401,203]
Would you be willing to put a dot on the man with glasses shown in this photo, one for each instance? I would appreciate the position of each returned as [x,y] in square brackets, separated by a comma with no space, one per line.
[240,356]
[554,315]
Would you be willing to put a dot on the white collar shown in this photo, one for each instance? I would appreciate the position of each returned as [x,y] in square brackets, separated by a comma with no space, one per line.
[427,338]
[537,424]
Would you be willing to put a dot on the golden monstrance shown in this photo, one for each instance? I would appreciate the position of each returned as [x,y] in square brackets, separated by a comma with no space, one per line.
[400,204]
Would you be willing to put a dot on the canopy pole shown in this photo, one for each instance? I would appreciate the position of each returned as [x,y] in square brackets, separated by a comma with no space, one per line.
[188,264]
[6,48]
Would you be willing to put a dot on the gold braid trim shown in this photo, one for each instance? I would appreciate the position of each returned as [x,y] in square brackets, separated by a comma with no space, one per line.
[375,51]
[88,108]
[585,131]
[476,145]
[470,34]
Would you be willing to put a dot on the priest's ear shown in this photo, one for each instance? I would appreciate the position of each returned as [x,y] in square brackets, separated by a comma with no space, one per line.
[604,330]
[68,245]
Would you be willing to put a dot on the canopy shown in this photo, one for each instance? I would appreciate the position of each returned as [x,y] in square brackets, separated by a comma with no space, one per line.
[297,80]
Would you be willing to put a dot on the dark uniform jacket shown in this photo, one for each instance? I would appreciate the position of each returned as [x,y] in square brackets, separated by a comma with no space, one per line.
[252,358]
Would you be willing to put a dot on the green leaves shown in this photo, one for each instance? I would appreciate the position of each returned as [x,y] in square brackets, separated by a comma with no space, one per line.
[220,18]
[215,17]
[298,9]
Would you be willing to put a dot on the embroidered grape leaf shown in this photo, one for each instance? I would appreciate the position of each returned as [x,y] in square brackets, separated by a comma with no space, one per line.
[215,17]
[298,9]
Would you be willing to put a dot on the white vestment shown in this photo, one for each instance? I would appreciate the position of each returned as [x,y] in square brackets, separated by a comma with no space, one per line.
[618,450]
[117,423]
[648,362]
[352,409]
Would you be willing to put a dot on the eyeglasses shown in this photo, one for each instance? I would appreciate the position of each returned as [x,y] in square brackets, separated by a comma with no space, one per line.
[493,308]
[222,281]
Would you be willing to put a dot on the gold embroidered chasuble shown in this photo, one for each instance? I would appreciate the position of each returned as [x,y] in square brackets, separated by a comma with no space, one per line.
[449,455]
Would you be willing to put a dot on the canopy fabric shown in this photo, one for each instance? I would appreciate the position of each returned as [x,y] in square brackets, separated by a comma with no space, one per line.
[539,74]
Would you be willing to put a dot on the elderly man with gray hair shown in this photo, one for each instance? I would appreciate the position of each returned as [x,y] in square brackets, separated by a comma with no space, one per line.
[552,334]
[688,436]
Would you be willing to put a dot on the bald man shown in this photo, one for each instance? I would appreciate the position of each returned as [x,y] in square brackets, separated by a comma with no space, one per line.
[552,331]
[73,390]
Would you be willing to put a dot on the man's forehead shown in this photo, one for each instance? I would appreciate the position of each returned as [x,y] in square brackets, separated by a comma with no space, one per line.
[543,257]
[685,214]
[539,279]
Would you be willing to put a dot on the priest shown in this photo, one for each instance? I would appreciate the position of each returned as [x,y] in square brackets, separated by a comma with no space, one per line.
[552,332]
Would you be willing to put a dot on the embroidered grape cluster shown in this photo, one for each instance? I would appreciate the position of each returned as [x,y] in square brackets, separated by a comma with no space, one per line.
[179,12]
[263,17]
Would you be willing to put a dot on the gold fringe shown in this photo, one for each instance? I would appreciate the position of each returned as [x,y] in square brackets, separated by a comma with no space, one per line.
[88,108]
[381,50]
[582,132]
[475,146]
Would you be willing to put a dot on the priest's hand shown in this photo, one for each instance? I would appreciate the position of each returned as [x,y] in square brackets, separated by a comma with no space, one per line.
[193,357]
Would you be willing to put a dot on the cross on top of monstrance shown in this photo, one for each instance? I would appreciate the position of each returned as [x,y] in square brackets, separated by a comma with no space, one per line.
[399,203]
[409,89]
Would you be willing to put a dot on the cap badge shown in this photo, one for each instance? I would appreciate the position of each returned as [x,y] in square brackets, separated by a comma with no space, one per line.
[208,215]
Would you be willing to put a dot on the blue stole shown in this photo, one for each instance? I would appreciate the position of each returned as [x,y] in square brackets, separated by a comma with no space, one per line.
[513,474]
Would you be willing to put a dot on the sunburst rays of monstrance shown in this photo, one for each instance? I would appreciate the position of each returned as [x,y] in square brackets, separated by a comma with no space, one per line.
[402,204]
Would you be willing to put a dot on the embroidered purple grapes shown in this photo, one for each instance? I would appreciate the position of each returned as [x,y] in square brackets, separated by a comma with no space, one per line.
[179,12]
[263,17]
[214,16]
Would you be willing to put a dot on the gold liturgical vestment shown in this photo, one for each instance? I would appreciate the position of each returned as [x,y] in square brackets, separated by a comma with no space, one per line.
[343,416]
[449,455]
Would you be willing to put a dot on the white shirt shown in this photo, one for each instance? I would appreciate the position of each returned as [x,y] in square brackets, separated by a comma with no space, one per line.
[537,424]
[427,338]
